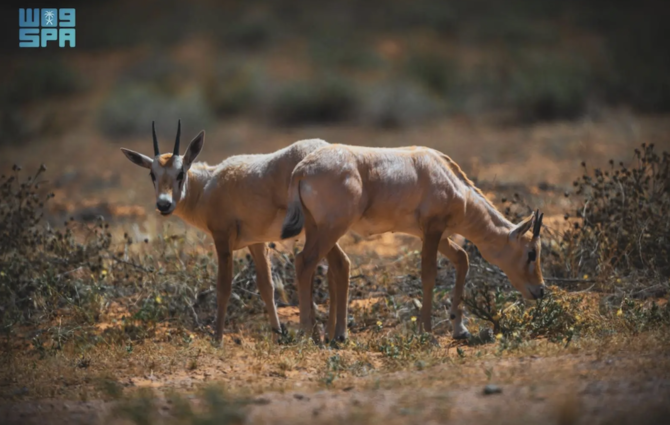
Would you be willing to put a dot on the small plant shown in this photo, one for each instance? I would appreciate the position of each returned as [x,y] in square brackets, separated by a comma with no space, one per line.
[334,365]
[404,347]
[553,317]
[639,317]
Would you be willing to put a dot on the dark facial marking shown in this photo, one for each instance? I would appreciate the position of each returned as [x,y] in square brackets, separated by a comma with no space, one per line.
[452,317]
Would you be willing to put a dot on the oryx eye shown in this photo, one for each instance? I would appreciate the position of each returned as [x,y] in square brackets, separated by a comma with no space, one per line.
[153,178]
[532,256]
[180,177]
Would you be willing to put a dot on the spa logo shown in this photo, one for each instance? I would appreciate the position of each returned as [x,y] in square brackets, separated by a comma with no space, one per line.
[38,27]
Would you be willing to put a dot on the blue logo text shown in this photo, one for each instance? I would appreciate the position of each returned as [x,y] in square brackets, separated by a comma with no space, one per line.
[37,27]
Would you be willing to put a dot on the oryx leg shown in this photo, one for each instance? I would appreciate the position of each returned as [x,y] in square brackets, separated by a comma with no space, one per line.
[332,301]
[338,278]
[431,241]
[317,244]
[459,258]
[224,283]
[259,252]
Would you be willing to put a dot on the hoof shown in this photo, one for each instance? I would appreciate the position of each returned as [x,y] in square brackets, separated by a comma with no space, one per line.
[464,335]
[336,342]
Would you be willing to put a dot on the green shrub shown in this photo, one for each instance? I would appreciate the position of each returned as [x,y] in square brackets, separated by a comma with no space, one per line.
[234,88]
[249,32]
[129,110]
[39,80]
[396,104]
[155,70]
[436,73]
[553,317]
[320,100]
[342,51]
[637,68]
[545,88]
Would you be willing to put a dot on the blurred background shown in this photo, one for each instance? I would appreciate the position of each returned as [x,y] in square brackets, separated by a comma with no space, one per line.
[517,92]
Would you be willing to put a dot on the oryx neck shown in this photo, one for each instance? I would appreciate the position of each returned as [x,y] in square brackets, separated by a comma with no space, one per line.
[189,208]
[484,225]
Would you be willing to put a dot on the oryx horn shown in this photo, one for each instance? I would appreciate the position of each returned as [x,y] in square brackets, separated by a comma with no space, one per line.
[153,131]
[176,142]
[538,223]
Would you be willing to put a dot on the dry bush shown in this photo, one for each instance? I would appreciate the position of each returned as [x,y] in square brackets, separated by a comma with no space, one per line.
[61,282]
[43,269]
[623,211]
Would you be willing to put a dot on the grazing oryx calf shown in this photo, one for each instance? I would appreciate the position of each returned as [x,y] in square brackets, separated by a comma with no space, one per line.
[240,202]
[413,190]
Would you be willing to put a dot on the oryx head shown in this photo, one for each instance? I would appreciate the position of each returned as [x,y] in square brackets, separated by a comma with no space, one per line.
[521,258]
[169,171]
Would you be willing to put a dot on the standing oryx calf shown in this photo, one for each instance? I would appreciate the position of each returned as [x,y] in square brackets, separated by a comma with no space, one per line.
[240,202]
[413,190]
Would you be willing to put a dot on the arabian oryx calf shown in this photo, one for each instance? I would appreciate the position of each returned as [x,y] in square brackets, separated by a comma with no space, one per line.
[413,190]
[240,202]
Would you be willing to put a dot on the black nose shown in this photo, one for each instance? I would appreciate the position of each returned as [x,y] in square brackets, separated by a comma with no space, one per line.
[163,205]
[540,292]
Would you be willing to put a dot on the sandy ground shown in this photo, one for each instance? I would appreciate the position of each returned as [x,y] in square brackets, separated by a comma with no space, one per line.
[624,387]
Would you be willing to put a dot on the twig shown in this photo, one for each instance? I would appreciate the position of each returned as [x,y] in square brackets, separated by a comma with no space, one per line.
[130,263]
[68,272]
[195,316]
[569,280]
[585,290]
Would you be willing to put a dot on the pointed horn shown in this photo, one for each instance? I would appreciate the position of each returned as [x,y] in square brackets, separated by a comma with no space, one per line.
[153,131]
[176,142]
[538,223]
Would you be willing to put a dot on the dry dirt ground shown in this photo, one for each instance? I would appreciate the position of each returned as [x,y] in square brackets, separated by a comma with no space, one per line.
[616,381]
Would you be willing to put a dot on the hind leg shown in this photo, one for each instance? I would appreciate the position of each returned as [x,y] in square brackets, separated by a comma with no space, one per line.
[332,301]
[317,244]
[259,253]
[339,263]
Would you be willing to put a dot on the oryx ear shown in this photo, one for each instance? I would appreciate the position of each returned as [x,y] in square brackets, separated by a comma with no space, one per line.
[194,149]
[522,227]
[138,158]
